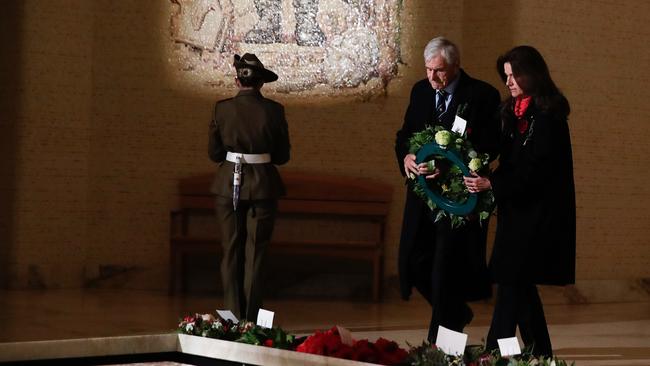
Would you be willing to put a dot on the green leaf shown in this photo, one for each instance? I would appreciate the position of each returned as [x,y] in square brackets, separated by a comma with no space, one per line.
[457,221]
[441,214]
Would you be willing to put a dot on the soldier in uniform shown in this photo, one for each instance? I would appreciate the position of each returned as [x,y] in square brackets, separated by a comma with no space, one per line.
[248,137]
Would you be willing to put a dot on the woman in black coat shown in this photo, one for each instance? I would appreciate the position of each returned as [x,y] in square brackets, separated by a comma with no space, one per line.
[535,239]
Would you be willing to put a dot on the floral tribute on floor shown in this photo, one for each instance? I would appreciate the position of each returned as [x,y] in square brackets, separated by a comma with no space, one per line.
[332,344]
[428,354]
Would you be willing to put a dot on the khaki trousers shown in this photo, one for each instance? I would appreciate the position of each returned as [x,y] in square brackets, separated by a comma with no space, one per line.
[245,235]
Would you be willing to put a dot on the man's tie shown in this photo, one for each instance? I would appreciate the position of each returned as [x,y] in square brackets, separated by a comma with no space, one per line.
[441,103]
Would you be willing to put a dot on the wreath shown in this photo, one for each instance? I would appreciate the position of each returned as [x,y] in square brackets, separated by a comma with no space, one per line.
[447,195]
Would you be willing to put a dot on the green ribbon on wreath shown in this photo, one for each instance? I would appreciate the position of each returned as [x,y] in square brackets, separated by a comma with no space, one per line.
[450,206]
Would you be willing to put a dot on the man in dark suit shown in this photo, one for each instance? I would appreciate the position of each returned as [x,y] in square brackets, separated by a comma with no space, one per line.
[447,266]
[248,137]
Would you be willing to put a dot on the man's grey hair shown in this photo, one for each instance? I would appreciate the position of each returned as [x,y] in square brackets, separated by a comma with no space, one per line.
[443,47]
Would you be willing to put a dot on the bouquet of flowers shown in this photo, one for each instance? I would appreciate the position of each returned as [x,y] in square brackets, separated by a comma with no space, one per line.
[448,190]
[428,354]
[210,326]
[207,325]
[329,343]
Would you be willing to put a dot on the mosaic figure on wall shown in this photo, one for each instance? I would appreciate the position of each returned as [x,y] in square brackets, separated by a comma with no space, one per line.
[321,47]
[267,29]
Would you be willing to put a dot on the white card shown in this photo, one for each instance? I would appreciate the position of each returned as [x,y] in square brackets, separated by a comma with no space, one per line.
[509,346]
[450,342]
[346,335]
[227,315]
[459,125]
[265,318]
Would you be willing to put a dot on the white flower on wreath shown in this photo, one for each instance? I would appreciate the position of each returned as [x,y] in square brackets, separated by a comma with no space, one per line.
[475,164]
[443,138]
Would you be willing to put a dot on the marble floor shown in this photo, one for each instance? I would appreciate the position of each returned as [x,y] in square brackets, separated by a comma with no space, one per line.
[590,334]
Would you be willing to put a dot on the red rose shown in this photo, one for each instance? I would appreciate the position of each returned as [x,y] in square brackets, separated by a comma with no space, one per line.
[313,344]
[386,345]
[364,351]
[344,351]
[268,343]
[330,340]
[389,352]
[468,130]
[331,343]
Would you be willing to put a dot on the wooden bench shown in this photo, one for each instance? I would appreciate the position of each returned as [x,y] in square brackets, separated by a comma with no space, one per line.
[311,196]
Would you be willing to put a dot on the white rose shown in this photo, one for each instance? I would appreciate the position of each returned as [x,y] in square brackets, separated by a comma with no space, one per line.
[475,164]
[443,138]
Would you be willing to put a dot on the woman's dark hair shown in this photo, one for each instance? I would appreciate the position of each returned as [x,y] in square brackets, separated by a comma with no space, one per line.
[531,73]
[248,77]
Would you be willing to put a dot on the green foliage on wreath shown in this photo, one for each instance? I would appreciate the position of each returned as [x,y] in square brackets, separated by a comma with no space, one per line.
[450,184]
[428,354]
[211,326]
[271,337]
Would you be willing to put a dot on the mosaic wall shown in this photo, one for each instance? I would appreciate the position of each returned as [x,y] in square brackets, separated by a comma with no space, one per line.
[317,47]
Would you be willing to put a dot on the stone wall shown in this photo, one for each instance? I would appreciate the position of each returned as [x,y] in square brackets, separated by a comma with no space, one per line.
[96,129]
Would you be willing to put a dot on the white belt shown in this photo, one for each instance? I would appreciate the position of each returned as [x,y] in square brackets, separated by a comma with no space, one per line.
[248,158]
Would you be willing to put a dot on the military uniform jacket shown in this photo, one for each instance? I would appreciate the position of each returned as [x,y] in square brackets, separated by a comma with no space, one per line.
[249,124]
